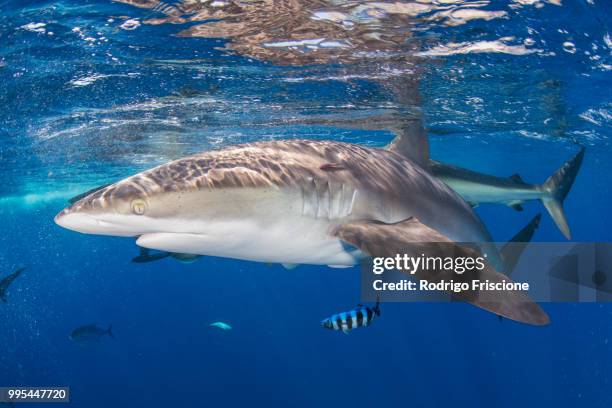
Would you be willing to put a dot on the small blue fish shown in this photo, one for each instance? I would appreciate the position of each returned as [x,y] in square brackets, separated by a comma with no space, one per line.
[361,316]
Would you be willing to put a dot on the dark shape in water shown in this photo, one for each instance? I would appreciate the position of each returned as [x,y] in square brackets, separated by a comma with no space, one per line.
[513,249]
[146,256]
[187,92]
[90,333]
[598,278]
[6,282]
[184,258]
[191,92]
[88,192]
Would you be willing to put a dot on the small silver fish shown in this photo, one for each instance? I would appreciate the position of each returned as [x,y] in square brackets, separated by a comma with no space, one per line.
[221,325]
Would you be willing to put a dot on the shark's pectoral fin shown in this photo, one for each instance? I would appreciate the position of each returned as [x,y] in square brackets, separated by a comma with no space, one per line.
[516,178]
[413,238]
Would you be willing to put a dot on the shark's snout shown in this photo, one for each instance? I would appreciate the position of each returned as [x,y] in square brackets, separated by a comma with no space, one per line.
[77,221]
[108,210]
[103,224]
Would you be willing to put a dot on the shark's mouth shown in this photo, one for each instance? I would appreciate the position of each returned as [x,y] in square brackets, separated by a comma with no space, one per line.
[86,224]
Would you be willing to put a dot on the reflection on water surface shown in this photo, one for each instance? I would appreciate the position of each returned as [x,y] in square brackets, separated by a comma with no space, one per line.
[304,32]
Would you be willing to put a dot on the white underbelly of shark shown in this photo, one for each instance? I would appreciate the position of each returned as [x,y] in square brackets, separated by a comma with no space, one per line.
[301,241]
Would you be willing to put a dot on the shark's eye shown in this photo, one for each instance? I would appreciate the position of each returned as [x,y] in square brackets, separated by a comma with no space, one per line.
[138,206]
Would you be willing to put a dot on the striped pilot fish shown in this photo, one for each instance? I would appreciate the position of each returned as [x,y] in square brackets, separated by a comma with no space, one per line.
[361,316]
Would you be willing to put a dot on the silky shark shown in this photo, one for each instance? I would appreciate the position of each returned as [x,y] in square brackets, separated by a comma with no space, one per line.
[479,188]
[294,202]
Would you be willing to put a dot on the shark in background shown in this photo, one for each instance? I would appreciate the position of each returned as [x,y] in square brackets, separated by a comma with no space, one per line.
[475,187]
[293,202]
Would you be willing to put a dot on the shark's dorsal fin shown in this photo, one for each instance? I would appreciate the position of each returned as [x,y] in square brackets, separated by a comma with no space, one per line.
[413,238]
[411,141]
[516,206]
[517,178]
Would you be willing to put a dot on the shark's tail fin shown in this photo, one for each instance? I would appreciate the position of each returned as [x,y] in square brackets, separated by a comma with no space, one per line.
[110,331]
[557,186]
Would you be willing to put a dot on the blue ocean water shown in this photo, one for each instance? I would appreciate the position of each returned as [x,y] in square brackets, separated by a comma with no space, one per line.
[94,91]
